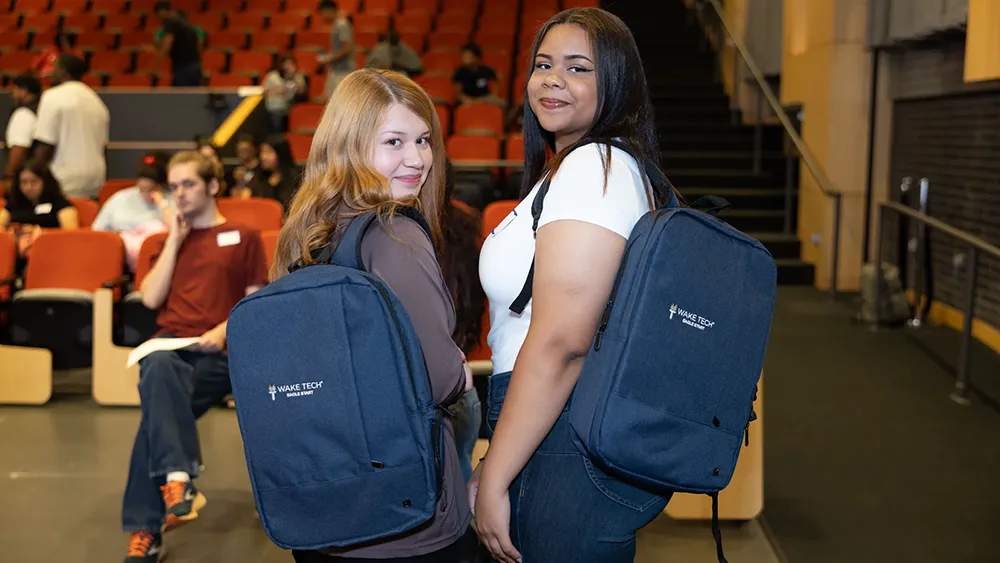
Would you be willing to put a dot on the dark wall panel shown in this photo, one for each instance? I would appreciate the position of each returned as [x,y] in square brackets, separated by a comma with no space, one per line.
[954,142]
[151,116]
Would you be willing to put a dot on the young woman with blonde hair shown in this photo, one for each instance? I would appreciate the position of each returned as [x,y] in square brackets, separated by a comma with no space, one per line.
[379,147]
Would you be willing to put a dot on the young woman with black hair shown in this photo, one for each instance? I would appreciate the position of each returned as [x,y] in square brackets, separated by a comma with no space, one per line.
[536,497]
[36,199]
[277,177]
[36,202]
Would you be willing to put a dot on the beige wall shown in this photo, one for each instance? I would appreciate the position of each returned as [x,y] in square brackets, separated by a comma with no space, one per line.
[826,69]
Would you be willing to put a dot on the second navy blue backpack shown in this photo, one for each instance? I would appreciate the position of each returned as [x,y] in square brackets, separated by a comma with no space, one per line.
[666,393]
[340,431]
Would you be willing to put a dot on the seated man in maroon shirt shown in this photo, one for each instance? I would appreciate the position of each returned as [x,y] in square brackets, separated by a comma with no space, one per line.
[203,269]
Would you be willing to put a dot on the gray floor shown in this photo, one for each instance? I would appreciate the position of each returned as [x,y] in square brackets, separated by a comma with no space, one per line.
[867,459]
[63,467]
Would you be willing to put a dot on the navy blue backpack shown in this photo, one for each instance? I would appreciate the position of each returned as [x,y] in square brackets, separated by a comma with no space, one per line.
[665,396]
[341,434]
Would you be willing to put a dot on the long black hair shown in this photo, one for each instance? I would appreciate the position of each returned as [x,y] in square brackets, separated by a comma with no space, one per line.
[153,166]
[286,162]
[51,190]
[624,110]
[459,259]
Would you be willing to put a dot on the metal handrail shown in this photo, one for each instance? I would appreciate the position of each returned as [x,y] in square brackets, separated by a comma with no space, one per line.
[822,180]
[976,245]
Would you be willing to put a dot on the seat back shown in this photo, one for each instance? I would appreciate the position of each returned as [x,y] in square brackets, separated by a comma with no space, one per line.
[270,240]
[78,259]
[478,119]
[263,213]
[86,210]
[8,257]
[111,187]
[495,213]
[144,262]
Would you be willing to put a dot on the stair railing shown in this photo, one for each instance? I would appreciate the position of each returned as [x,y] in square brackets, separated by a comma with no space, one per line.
[710,15]
[976,245]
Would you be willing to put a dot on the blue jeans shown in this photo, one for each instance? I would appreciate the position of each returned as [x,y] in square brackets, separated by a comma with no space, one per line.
[564,508]
[175,389]
[466,418]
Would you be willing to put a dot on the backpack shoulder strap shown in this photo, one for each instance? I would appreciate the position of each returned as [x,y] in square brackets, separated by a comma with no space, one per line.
[348,250]
[653,173]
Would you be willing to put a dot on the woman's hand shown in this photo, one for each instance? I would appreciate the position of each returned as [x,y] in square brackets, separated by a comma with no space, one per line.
[468,377]
[493,524]
[473,486]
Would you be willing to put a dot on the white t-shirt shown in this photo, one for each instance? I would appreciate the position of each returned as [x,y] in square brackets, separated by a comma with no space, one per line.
[21,128]
[576,192]
[73,117]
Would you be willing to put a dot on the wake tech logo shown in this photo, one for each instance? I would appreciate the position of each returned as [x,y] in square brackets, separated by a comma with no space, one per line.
[295,390]
[691,319]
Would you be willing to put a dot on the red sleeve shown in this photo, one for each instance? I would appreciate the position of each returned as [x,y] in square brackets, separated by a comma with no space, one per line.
[256,266]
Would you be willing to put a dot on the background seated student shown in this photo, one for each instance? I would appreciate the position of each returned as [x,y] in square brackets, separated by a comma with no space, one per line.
[277,177]
[203,268]
[142,210]
[246,151]
[474,81]
[207,149]
[35,202]
[391,53]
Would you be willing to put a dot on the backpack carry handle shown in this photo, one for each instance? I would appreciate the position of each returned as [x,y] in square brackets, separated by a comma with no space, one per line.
[711,204]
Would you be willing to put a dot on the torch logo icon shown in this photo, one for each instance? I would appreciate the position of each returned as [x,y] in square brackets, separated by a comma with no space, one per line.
[272,390]
[673,309]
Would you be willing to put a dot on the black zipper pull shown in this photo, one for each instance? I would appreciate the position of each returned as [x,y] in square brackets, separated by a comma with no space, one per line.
[603,325]
[746,439]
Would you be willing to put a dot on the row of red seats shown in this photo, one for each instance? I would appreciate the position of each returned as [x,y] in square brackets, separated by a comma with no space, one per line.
[354,7]
[459,147]
[474,119]
[99,254]
[261,213]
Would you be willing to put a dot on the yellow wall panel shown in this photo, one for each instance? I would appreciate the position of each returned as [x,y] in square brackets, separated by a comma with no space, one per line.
[982,41]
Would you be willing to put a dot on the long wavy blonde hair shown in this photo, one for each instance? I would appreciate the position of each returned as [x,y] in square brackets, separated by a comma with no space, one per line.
[340,180]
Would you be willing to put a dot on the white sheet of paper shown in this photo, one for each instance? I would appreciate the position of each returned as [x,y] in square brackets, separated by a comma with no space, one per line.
[156,345]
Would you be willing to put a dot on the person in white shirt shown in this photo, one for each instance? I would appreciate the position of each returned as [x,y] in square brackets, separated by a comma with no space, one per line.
[587,85]
[20,134]
[72,130]
[140,211]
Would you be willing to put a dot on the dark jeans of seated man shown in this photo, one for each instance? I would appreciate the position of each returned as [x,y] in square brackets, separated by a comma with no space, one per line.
[175,389]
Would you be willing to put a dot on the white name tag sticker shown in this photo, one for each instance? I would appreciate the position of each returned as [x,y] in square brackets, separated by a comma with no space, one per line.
[43,209]
[228,238]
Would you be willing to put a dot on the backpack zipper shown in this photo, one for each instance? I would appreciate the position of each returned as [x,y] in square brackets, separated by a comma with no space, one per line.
[606,315]
[435,425]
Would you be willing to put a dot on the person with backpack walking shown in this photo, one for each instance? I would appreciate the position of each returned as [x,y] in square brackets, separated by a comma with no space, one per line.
[377,157]
[536,497]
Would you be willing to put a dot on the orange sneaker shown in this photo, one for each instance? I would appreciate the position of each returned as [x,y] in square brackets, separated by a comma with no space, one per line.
[145,547]
[183,501]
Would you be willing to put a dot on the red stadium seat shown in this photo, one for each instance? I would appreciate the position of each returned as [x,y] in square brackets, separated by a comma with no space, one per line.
[303,118]
[300,145]
[473,147]
[478,119]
